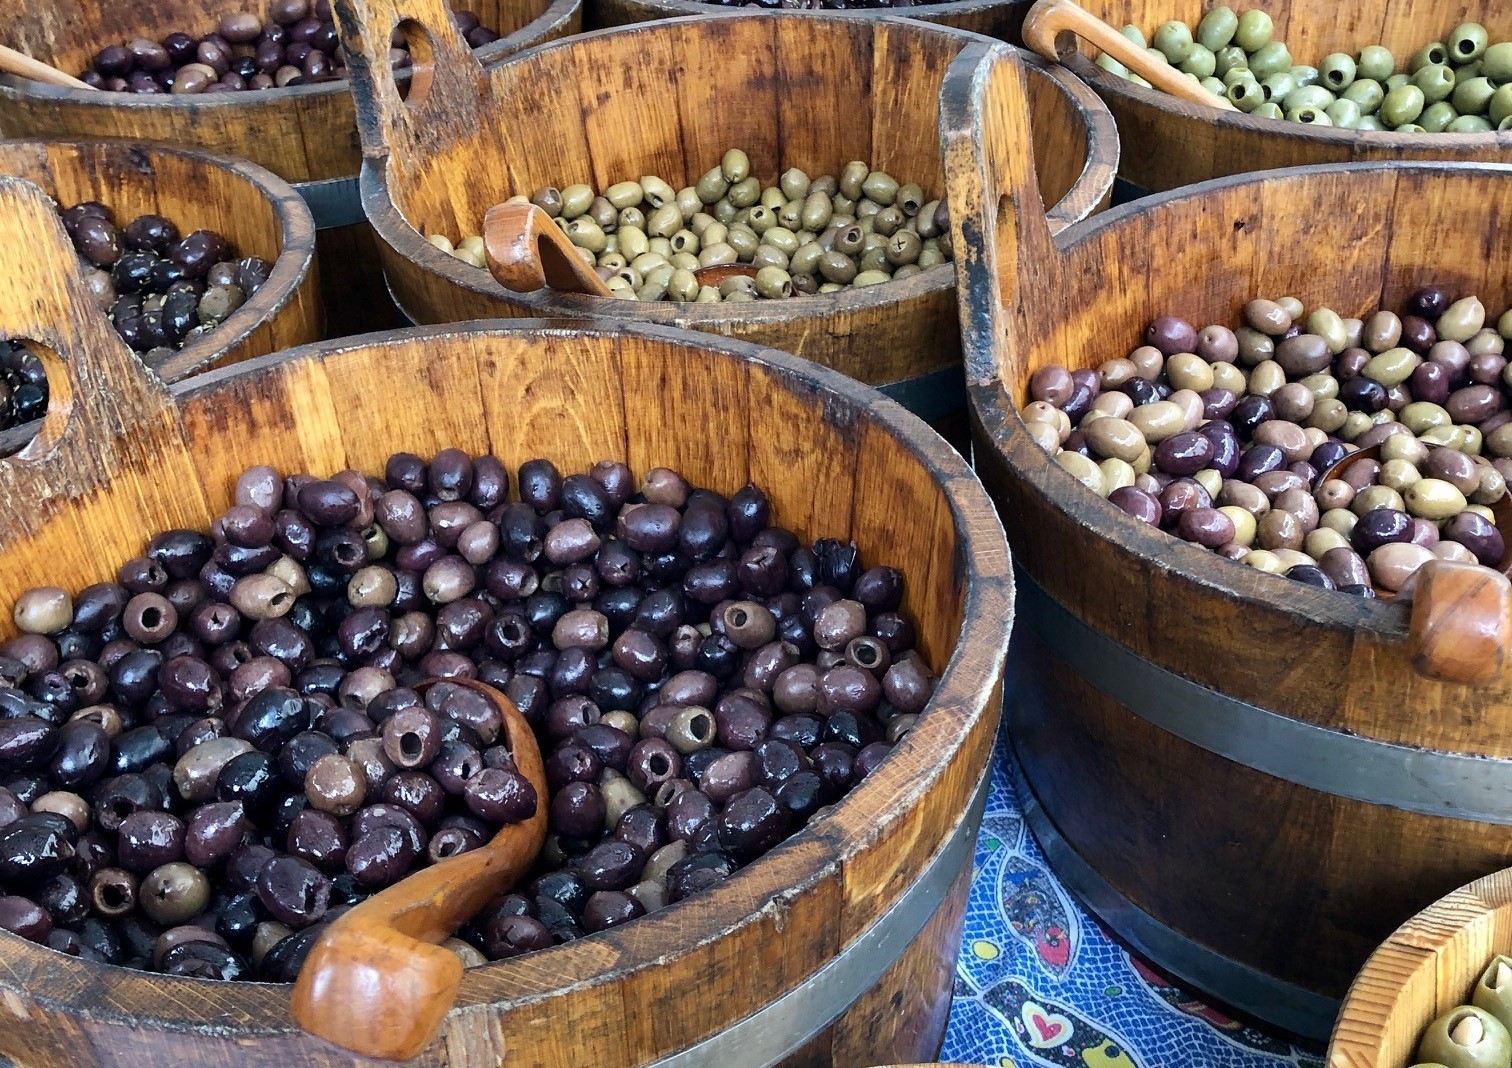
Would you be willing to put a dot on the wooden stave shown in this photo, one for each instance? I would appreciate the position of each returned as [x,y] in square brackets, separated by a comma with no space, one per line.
[153,444]
[1002,19]
[912,316]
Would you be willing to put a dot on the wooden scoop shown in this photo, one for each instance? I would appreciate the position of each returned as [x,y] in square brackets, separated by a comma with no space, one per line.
[1051,23]
[376,983]
[526,251]
[23,66]
[1461,626]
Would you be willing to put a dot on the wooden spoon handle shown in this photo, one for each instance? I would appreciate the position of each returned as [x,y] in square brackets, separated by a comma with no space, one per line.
[24,66]
[1461,622]
[376,983]
[527,251]
[1049,19]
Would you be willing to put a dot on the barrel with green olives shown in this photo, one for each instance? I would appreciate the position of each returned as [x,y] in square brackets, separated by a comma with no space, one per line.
[802,234]
[1231,436]
[1459,82]
[1474,1035]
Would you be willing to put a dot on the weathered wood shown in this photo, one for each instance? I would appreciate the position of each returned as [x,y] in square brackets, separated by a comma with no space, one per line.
[303,133]
[257,212]
[1003,19]
[1297,882]
[1169,143]
[1428,966]
[793,91]
[125,456]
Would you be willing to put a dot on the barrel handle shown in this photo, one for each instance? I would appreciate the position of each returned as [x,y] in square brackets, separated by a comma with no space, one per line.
[1052,27]
[375,983]
[1461,621]
[1006,259]
[449,99]
[103,400]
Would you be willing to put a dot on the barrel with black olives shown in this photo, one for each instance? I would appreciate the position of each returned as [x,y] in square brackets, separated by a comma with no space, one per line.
[294,43]
[801,235]
[1460,82]
[207,760]
[1221,436]
[162,289]
[1475,1035]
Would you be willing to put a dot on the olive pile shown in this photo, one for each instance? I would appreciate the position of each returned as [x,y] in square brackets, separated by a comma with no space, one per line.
[1222,436]
[296,44]
[1475,1035]
[1461,84]
[209,759]
[162,291]
[803,235]
[23,386]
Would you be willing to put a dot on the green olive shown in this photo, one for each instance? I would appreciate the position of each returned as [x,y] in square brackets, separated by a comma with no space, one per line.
[1279,86]
[1268,110]
[1393,367]
[780,237]
[1436,81]
[794,184]
[576,200]
[1253,31]
[744,193]
[1375,63]
[682,285]
[1437,117]
[1500,105]
[1200,64]
[1246,94]
[1310,116]
[686,241]
[1494,990]
[1370,123]
[1217,28]
[1112,66]
[1496,64]
[1402,106]
[1344,114]
[1366,92]
[624,195]
[1396,81]
[1337,71]
[852,177]
[1309,96]
[735,166]
[1174,40]
[774,282]
[1270,59]
[1430,55]
[1469,124]
[585,233]
[1466,1037]
[1467,42]
[1135,34]
[712,185]
[1239,74]
[1462,320]
[707,295]
[664,221]
[1473,96]
[1230,58]
[1423,415]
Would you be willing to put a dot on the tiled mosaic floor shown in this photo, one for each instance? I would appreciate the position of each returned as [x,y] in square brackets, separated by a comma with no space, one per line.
[1040,983]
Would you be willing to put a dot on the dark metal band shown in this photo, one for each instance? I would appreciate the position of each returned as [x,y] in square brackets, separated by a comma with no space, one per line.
[787,1024]
[1254,993]
[932,395]
[1427,781]
[334,202]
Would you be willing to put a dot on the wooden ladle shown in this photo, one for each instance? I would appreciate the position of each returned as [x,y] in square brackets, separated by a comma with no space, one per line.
[377,983]
[1461,625]
[1051,23]
[24,66]
[526,251]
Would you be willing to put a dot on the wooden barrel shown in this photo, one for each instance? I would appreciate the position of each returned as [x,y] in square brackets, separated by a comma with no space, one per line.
[1243,776]
[668,98]
[258,213]
[1003,19]
[838,947]
[1169,143]
[305,134]
[1428,966]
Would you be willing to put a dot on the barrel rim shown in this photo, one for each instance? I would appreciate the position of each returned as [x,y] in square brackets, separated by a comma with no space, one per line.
[661,9]
[1001,427]
[554,16]
[963,706]
[1333,137]
[1092,187]
[290,269]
